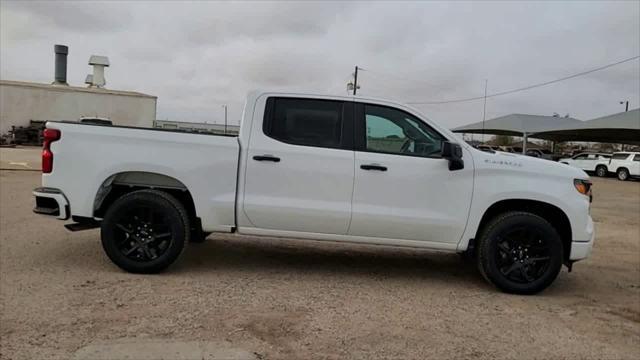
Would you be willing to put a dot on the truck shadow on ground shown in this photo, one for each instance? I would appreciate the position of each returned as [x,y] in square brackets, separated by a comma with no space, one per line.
[279,258]
[267,255]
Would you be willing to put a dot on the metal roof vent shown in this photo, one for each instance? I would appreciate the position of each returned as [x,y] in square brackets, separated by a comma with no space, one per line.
[61,52]
[97,79]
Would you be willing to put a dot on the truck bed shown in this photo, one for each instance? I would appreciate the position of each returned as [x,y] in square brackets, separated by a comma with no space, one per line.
[90,156]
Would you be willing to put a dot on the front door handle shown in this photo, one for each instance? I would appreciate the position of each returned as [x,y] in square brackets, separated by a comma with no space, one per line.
[266,158]
[373,167]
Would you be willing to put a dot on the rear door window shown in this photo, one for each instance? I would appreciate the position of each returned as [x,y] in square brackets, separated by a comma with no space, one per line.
[308,122]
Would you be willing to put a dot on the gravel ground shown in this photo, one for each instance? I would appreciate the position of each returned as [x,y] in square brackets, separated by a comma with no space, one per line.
[291,299]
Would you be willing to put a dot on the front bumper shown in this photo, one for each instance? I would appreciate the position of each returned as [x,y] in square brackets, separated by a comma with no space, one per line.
[582,249]
[52,202]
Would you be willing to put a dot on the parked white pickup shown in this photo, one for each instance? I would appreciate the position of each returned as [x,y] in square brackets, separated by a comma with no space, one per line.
[327,168]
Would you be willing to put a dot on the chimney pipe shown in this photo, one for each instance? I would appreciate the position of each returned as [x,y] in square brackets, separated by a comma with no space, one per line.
[61,64]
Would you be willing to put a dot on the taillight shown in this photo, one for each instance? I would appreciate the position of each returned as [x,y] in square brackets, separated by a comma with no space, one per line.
[50,135]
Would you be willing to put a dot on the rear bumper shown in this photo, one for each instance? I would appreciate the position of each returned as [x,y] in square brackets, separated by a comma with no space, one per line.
[582,249]
[51,202]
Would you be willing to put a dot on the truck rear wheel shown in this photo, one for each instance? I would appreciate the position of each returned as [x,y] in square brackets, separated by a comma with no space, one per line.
[601,171]
[623,174]
[520,253]
[145,231]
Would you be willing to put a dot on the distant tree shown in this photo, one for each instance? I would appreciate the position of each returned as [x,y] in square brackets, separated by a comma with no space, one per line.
[503,140]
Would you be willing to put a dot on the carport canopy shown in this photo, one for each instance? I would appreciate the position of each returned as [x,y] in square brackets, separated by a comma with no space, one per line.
[519,125]
[621,128]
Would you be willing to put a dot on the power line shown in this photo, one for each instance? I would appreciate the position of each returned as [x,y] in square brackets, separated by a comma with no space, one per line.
[525,87]
[393,77]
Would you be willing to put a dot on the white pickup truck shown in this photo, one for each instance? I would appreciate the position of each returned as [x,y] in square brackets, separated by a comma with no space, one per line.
[328,168]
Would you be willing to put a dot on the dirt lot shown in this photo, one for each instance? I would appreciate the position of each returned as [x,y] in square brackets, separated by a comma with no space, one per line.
[289,299]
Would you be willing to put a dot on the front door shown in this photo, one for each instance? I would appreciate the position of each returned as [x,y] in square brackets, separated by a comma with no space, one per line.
[299,169]
[403,189]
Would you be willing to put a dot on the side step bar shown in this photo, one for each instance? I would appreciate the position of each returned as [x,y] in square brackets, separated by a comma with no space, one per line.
[82,223]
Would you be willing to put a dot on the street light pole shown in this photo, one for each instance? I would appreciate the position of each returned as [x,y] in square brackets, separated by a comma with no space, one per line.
[225,118]
[626,108]
[355,81]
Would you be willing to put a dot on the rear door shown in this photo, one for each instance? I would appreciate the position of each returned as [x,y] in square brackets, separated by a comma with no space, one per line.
[299,169]
[579,161]
[589,163]
[403,189]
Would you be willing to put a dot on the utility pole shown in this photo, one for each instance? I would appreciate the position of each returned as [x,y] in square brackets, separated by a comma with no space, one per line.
[626,108]
[225,118]
[484,107]
[355,81]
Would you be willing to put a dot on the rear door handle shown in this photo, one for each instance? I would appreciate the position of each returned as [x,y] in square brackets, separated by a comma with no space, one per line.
[266,158]
[373,167]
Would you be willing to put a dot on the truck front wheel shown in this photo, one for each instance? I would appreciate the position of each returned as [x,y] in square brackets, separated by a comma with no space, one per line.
[520,253]
[145,231]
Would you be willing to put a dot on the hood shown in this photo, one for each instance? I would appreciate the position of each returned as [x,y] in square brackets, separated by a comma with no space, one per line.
[503,161]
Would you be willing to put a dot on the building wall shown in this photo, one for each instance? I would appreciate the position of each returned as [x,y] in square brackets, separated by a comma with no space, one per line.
[22,102]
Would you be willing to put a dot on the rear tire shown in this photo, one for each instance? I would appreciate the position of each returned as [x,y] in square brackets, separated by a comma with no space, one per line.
[520,253]
[145,231]
[623,174]
[601,171]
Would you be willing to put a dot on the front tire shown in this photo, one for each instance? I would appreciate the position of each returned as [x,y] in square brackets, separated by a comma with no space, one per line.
[601,171]
[145,231]
[520,253]
[623,174]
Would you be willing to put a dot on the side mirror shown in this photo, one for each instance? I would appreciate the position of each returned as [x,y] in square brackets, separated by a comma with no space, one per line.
[453,153]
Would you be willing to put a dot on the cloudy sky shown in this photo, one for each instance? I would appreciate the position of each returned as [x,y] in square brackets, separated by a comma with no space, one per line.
[197,56]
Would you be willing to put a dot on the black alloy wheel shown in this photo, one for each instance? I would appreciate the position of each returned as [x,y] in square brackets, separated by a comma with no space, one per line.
[520,253]
[142,233]
[145,231]
[523,254]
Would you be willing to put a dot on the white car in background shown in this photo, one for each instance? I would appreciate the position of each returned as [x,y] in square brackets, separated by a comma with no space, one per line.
[589,162]
[625,165]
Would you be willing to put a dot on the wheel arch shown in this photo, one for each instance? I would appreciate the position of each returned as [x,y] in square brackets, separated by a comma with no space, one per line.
[125,182]
[551,213]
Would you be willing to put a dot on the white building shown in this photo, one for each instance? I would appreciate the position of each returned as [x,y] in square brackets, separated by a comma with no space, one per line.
[21,102]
